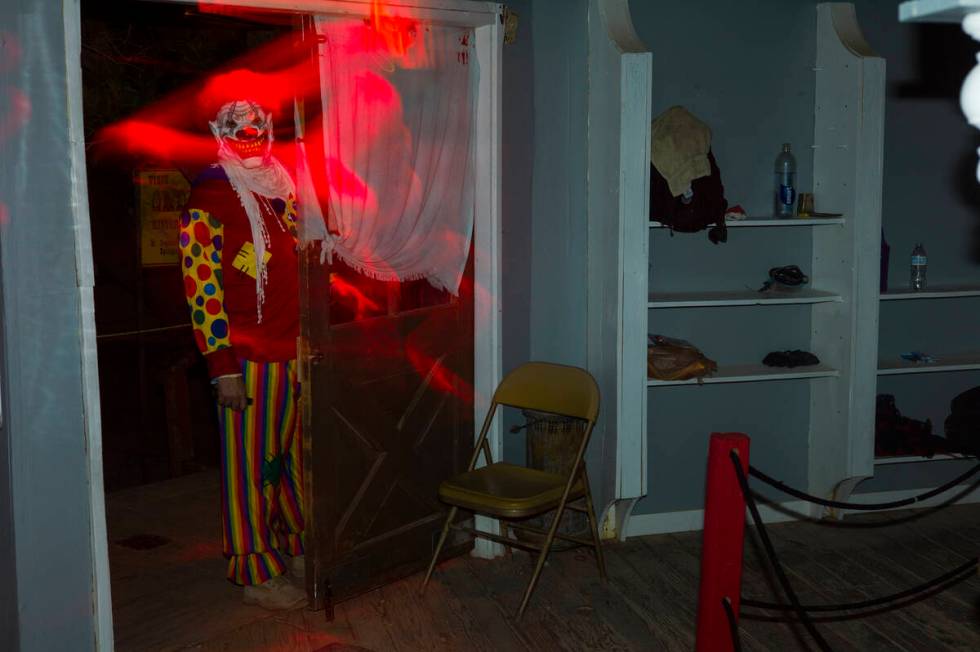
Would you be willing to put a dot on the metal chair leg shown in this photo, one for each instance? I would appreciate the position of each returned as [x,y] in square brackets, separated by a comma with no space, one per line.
[435,555]
[505,533]
[590,511]
[542,558]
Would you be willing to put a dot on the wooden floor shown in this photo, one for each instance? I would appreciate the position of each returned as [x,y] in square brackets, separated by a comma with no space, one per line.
[169,591]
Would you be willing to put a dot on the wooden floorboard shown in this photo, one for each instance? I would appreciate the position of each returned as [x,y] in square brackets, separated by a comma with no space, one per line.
[172,596]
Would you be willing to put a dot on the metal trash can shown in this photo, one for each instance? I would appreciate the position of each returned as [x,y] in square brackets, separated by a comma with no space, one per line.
[552,441]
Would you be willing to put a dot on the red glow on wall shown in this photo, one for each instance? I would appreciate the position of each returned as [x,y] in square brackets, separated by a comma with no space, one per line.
[347,184]
[174,131]
[15,114]
[15,107]
[440,377]
[350,293]
[142,139]
[11,50]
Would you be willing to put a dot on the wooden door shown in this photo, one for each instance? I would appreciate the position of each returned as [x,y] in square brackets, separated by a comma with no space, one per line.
[388,407]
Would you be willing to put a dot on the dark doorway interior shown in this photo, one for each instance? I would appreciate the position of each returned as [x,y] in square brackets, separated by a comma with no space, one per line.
[158,420]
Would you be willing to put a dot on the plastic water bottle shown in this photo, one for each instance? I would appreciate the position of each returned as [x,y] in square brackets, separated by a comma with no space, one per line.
[919,261]
[785,192]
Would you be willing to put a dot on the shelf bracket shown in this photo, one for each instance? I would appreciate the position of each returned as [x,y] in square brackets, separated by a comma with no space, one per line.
[842,492]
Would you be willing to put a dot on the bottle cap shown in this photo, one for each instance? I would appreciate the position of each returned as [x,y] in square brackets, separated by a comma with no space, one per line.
[785,147]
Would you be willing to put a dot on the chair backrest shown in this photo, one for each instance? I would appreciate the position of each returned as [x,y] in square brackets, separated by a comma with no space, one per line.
[549,387]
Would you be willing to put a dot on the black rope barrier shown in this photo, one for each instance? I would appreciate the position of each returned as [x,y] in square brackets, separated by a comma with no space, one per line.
[840,616]
[796,493]
[732,624]
[874,602]
[773,558]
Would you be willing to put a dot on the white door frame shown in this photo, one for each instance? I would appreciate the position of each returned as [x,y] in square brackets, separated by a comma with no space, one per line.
[484,17]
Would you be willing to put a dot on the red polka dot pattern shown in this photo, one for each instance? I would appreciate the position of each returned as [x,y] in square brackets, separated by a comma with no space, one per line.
[199,239]
[202,234]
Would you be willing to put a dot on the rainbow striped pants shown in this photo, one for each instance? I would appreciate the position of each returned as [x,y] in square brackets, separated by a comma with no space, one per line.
[262,474]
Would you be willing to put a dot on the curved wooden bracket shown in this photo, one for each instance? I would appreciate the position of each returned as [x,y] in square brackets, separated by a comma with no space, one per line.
[848,30]
[842,492]
[619,25]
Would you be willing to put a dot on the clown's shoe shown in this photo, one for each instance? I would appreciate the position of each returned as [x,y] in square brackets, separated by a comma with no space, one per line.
[297,567]
[275,594]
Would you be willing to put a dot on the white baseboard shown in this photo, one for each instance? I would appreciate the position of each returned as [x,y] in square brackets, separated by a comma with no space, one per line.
[687,521]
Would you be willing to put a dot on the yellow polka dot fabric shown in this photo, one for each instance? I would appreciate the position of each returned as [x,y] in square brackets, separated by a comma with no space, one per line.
[201,241]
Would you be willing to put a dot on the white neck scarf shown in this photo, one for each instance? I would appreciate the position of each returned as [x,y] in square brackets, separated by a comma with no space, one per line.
[269,180]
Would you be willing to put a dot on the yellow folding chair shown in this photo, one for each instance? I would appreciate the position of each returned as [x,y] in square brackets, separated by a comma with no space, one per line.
[509,492]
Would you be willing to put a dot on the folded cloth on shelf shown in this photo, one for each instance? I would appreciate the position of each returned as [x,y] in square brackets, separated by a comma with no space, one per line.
[679,145]
[794,358]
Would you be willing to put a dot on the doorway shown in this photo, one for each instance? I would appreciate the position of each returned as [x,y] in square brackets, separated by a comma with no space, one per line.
[158,425]
[157,416]
[159,430]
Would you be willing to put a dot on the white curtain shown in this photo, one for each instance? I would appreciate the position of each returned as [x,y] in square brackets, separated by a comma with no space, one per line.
[398,139]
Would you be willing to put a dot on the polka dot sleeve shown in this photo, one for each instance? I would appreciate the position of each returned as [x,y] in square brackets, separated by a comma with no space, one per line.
[201,239]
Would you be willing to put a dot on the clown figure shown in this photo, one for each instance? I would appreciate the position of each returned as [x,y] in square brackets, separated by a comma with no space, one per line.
[239,263]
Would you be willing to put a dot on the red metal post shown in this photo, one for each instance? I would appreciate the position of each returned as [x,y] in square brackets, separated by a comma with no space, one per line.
[723,538]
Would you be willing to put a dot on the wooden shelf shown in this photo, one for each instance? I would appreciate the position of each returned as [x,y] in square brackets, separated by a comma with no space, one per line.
[958,362]
[772,221]
[936,11]
[937,292]
[738,298]
[753,373]
[912,459]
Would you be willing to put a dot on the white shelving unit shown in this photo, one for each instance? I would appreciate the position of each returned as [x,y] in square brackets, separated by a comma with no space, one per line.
[936,292]
[836,317]
[771,221]
[843,264]
[956,362]
[753,373]
[740,298]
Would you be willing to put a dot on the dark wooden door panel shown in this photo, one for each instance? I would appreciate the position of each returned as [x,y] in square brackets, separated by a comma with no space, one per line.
[390,416]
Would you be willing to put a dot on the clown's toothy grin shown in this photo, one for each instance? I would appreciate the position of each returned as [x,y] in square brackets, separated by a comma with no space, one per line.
[248,148]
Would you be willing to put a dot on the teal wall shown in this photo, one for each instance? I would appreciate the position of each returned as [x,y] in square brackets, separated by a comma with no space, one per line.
[558,297]
[516,211]
[544,191]
[8,561]
[518,166]
[44,419]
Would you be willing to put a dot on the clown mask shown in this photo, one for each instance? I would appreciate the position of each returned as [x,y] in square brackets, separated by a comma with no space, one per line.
[244,131]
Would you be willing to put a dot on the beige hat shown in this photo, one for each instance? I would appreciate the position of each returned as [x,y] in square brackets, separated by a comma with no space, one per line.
[679,145]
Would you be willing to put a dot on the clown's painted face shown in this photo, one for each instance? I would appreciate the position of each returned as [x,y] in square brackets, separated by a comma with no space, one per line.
[244,129]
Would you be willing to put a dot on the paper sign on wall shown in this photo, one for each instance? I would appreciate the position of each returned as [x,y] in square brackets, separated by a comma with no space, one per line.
[161,195]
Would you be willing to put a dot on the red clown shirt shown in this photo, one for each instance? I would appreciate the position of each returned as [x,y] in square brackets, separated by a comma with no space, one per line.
[218,264]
